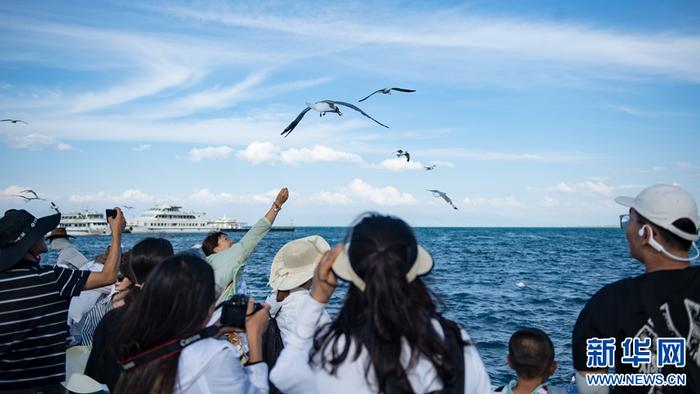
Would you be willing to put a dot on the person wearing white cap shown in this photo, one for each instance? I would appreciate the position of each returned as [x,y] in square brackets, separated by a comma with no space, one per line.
[290,278]
[661,228]
[388,335]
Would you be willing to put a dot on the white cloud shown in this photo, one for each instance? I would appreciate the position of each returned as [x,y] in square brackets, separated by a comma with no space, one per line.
[127,196]
[549,202]
[318,153]
[564,188]
[590,186]
[207,197]
[142,147]
[686,165]
[35,142]
[330,198]
[442,163]
[673,55]
[386,195]
[260,152]
[210,152]
[267,197]
[399,164]
[267,152]
[12,191]
[491,203]
[598,187]
[62,146]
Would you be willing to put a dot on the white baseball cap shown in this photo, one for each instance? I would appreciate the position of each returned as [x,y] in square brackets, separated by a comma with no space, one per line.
[663,205]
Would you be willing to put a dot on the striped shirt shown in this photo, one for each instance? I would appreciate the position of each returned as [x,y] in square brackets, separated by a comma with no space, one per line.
[34,304]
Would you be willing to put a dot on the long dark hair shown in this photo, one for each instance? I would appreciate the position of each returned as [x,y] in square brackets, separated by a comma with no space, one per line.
[138,262]
[144,256]
[174,303]
[382,250]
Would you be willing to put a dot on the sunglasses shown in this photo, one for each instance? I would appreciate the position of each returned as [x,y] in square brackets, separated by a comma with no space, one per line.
[624,221]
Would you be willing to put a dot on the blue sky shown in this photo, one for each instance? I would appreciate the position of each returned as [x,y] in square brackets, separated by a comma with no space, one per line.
[535,113]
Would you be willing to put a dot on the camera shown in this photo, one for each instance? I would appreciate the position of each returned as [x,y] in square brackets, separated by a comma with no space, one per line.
[233,311]
[110,213]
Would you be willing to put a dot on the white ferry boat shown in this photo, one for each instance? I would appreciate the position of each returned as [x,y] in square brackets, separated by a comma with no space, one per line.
[169,219]
[85,223]
[226,224]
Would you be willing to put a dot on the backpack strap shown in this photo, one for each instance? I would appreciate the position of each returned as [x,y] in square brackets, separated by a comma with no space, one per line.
[455,347]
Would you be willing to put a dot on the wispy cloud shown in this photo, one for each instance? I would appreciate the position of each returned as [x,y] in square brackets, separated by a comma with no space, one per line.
[674,55]
[210,152]
[35,142]
[127,196]
[490,203]
[142,147]
[12,191]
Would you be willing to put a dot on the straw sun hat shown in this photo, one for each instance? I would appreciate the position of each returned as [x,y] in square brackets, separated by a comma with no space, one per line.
[295,262]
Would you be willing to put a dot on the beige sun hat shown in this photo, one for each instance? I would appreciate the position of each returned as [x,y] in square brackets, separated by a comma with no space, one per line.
[343,268]
[83,384]
[295,262]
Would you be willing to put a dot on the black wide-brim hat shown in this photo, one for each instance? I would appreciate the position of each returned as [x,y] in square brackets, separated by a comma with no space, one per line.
[19,231]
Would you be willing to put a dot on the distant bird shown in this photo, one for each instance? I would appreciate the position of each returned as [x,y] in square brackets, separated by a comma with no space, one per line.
[32,195]
[430,168]
[443,195]
[323,107]
[387,91]
[127,207]
[401,152]
[13,121]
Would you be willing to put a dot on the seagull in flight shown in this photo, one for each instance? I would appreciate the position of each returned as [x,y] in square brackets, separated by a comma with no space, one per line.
[32,195]
[443,195]
[430,167]
[323,107]
[13,121]
[387,91]
[401,152]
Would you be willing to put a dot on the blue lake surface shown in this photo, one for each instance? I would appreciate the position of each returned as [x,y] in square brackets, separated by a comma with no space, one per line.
[475,275]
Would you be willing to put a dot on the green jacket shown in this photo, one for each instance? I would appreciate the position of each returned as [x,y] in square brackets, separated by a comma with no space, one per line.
[228,264]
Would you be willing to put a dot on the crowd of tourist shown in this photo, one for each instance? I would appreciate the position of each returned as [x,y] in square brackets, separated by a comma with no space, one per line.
[148,320]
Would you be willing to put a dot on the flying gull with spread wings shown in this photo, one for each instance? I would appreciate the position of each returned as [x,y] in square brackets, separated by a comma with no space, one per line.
[387,91]
[28,195]
[404,153]
[323,107]
[443,195]
[13,121]
[430,167]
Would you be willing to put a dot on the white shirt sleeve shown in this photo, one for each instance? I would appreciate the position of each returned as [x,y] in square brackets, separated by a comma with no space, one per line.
[476,379]
[292,372]
[224,374]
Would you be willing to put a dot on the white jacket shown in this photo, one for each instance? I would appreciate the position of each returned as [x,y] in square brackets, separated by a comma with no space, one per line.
[68,255]
[286,312]
[292,373]
[212,366]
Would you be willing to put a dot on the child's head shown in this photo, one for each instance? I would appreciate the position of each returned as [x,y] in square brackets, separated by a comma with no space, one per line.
[531,354]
